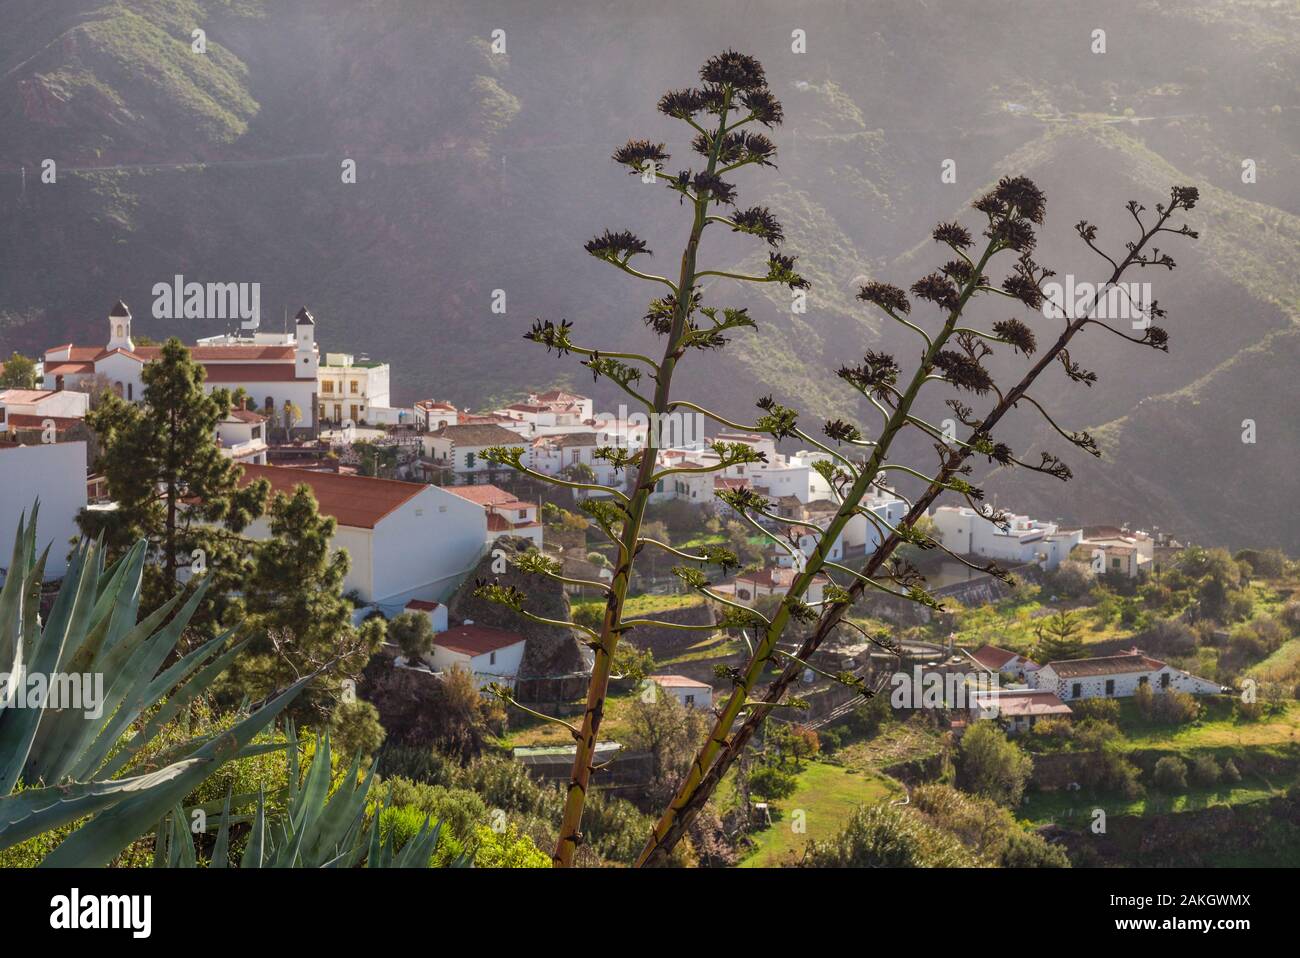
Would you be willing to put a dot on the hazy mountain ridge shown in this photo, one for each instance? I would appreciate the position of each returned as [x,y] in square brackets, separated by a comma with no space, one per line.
[479,172]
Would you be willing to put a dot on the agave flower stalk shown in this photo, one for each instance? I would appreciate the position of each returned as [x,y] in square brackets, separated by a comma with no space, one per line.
[733,96]
[723,747]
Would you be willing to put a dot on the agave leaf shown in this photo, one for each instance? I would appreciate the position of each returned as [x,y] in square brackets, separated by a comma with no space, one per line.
[255,850]
[100,840]
[312,798]
[165,686]
[36,810]
[221,847]
[68,622]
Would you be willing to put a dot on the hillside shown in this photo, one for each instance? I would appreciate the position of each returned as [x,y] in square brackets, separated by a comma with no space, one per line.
[480,171]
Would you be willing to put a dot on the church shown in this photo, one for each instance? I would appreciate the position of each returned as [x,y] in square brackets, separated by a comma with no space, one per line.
[273,368]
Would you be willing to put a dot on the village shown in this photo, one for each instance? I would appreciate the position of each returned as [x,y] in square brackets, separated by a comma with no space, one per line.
[426,512]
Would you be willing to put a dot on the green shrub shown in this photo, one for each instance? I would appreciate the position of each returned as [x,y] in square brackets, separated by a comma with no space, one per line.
[1205,770]
[1170,774]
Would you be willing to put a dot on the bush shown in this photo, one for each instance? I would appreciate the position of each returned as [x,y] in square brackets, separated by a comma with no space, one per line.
[887,836]
[1230,774]
[355,727]
[1177,708]
[772,783]
[990,765]
[1026,850]
[1070,580]
[1170,774]
[418,763]
[1205,770]
[1268,563]
[1103,710]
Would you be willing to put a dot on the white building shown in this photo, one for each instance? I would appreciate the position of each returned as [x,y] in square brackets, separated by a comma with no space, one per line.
[1018,710]
[353,389]
[555,455]
[459,449]
[1024,540]
[775,580]
[274,369]
[507,515]
[1120,553]
[54,473]
[692,694]
[490,655]
[241,435]
[549,413]
[1116,676]
[406,540]
[436,613]
[433,414]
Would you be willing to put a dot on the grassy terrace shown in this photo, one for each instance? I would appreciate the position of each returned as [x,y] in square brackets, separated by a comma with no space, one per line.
[1075,809]
[827,795]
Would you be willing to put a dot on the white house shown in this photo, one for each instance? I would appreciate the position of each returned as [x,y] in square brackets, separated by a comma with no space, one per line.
[433,414]
[507,515]
[553,455]
[775,580]
[549,413]
[996,661]
[241,436]
[490,655]
[406,540]
[436,612]
[806,541]
[1018,710]
[1116,676]
[460,448]
[1024,539]
[692,694]
[1122,553]
[274,369]
[55,473]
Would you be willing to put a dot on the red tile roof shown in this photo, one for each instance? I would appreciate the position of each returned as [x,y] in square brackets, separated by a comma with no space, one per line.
[484,495]
[251,373]
[242,354]
[678,681]
[422,605]
[60,368]
[1030,704]
[476,639]
[24,421]
[24,395]
[1106,665]
[358,501]
[991,657]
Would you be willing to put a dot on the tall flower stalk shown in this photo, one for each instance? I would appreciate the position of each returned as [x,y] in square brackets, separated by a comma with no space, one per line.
[1010,208]
[722,111]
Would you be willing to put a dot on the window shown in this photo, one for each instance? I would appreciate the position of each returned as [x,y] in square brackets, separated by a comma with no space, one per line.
[1076,690]
[1110,686]
[270,403]
[327,386]
[1164,680]
[492,658]
[690,701]
[322,410]
[523,513]
[354,386]
[130,390]
[469,460]
[1142,680]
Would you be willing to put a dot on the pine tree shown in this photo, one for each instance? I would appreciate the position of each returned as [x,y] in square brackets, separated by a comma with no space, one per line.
[293,599]
[1058,638]
[172,485]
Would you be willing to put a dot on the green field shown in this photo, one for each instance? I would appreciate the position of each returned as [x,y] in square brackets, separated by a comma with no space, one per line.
[827,795]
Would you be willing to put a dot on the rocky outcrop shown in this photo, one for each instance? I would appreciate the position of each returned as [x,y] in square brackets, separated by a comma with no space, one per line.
[551,650]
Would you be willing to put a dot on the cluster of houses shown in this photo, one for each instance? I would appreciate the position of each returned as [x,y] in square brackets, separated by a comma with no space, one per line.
[1032,691]
[413,539]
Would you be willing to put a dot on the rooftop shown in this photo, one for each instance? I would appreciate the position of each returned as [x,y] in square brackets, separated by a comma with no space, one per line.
[476,639]
[1135,661]
[358,501]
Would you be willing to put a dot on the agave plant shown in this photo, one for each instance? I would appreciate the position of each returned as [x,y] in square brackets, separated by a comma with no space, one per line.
[319,830]
[62,764]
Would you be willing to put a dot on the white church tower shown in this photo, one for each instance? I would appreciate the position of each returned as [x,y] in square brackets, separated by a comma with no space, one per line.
[119,328]
[306,360]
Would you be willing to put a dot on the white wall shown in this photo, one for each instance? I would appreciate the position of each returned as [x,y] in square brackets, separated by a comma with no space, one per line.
[56,474]
[424,547]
